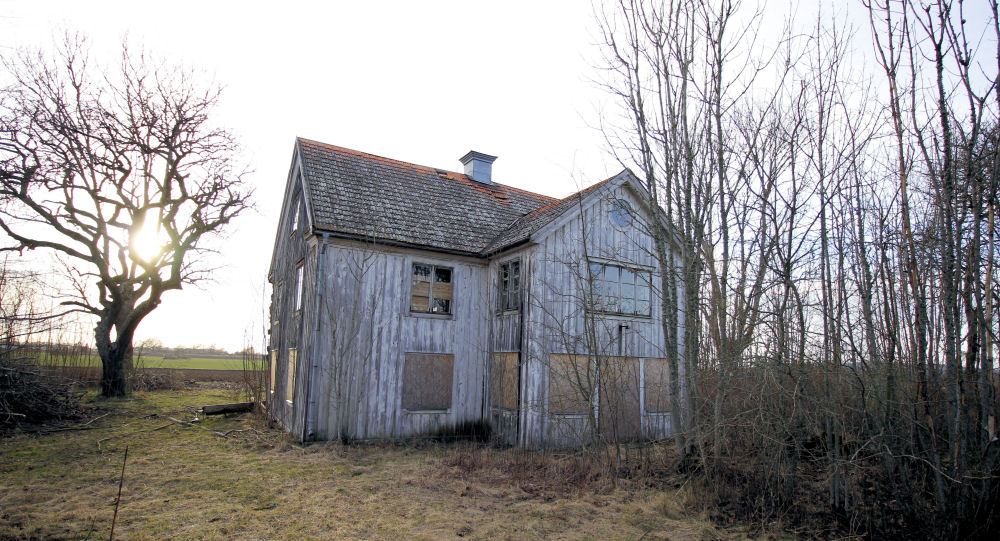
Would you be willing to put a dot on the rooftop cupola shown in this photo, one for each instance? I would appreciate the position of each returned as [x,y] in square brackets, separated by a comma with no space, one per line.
[478,166]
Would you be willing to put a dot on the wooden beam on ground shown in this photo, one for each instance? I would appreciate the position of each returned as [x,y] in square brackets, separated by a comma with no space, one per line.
[218,409]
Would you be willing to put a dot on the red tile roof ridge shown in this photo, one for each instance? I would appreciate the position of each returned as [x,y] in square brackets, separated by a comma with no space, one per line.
[449,174]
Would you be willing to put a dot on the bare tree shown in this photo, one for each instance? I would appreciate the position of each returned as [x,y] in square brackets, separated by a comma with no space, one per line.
[120,173]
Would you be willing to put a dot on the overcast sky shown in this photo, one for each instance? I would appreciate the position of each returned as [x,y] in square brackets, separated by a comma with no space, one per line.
[423,82]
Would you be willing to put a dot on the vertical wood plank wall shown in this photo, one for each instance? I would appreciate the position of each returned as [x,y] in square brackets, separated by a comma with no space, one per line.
[556,323]
[366,329]
[290,327]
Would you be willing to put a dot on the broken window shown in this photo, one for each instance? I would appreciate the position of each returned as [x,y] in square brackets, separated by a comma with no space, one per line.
[620,290]
[427,380]
[431,289]
[510,285]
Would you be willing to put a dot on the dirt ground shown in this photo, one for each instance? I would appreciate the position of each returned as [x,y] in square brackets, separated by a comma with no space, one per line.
[236,478]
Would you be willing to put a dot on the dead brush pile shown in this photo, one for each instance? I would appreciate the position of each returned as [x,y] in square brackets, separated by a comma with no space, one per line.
[29,397]
[535,473]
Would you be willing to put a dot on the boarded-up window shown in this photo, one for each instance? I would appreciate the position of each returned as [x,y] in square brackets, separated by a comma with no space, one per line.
[427,381]
[274,368]
[619,416]
[571,383]
[657,385]
[503,381]
[290,376]
[431,289]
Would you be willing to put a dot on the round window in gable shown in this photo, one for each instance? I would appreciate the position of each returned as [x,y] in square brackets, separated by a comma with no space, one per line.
[621,213]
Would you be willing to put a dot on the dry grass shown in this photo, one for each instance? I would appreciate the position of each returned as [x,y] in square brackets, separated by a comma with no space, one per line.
[187,482]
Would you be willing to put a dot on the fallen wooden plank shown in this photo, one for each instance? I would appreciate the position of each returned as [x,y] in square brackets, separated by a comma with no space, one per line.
[218,409]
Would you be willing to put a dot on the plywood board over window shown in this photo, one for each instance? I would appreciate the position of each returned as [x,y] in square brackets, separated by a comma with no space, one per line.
[274,369]
[427,381]
[619,416]
[503,381]
[290,389]
[657,385]
[571,383]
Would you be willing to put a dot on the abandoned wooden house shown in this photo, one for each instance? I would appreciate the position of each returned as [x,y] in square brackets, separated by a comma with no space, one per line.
[409,300]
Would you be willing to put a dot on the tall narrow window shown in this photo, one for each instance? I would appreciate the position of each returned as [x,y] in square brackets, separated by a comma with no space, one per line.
[510,285]
[431,290]
[274,370]
[276,303]
[290,376]
[298,286]
[295,216]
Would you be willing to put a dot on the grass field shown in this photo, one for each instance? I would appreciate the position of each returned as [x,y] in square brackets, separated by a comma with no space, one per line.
[154,361]
[150,361]
[234,478]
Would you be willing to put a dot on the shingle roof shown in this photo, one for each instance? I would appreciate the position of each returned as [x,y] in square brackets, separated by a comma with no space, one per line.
[368,196]
[525,226]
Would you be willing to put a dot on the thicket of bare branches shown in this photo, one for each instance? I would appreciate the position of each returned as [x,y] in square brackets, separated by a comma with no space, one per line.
[94,160]
[838,213]
[28,395]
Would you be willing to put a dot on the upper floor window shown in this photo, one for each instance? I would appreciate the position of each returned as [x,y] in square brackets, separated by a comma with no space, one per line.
[510,285]
[298,286]
[431,290]
[295,216]
[620,290]
[621,213]
[276,302]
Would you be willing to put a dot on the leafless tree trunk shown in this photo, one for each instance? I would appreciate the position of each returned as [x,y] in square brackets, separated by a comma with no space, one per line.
[121,174]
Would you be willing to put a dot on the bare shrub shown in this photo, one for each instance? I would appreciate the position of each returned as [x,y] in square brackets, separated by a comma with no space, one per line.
[533,472]
[29,397]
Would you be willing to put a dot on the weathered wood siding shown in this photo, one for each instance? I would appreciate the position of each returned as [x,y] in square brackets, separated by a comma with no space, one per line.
[366,330]
[558,321]
[505,341]
[290,327]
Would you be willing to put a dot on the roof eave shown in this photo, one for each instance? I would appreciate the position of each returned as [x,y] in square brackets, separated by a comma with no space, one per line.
[397,243]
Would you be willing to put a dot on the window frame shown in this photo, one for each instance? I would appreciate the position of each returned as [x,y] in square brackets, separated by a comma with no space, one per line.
[295,216]
[273,372]
[434,267]
[598,291]
[299,286]
[290,365]
[621,213]
[505,292]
